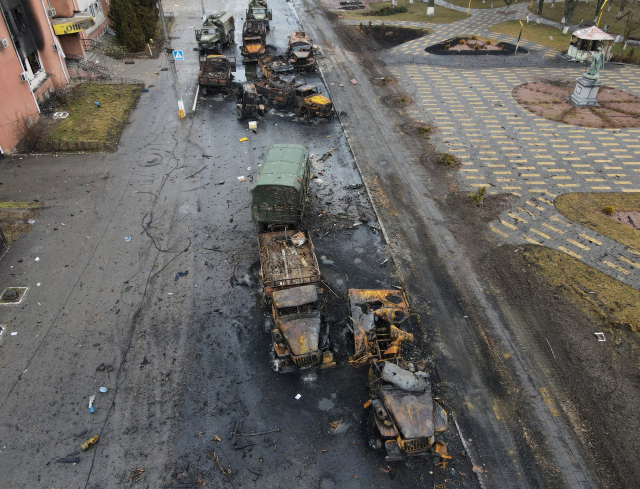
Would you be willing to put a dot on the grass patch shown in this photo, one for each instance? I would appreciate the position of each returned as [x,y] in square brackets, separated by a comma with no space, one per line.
[478,195]
[601,297]
[478,3]
[585,12]
[545,35]
[581,208]
[14,218]
[416,12]
[86,121]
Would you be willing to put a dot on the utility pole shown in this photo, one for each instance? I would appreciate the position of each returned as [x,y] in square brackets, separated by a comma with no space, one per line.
[168,51]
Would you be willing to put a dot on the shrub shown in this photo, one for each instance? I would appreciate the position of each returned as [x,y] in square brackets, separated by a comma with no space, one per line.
[488,42]
[476,47]
[608,210]
[474,37]
[389,11]
[447,47]
[476,197]
[424,130]
[462,41]
[447,160]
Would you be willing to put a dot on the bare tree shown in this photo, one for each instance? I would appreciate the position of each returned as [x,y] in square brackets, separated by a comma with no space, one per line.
[631,23]
[540,6]
[569,8]
[623,4]
[599,5]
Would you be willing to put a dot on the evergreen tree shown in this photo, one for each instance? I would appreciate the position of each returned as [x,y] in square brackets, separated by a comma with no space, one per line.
[147,13]
[125,23]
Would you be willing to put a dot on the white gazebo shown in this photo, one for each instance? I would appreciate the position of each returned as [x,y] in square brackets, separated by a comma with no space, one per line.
[587,41]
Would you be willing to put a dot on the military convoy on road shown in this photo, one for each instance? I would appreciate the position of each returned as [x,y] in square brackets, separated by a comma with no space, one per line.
[258,11]
[217,31]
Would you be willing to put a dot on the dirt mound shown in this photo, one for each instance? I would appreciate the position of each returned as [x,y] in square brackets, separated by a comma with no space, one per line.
[548,99]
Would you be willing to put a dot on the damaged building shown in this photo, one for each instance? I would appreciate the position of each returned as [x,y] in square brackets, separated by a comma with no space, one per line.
[35,38]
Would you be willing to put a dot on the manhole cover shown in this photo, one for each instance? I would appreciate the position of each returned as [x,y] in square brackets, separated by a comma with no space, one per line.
[13,295]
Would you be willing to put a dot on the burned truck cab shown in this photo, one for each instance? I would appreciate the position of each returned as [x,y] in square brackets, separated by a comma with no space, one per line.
[405,419]
[297,333]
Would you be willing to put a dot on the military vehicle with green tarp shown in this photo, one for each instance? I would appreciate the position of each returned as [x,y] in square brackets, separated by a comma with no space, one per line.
[280,192]
[258,11]
[217,31]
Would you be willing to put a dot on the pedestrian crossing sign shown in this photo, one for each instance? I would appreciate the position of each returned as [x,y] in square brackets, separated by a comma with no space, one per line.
[178,56]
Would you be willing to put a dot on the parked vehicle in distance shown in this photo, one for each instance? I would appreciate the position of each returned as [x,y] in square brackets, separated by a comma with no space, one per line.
[297,335]
[279,194]
[258,11]
[217,31]
[254,40]
[301,52]
[215,73]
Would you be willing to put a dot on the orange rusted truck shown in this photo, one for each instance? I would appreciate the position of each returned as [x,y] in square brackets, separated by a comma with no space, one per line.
[254,40]
[299,341]
[404,420]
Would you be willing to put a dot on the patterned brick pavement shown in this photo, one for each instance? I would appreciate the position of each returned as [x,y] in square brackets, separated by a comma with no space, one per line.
[506,148]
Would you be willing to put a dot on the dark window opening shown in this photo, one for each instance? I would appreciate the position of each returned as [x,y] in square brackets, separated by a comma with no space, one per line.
[34,62]
[19,19]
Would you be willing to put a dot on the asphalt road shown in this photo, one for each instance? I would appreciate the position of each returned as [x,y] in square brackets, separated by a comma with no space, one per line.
[186,361]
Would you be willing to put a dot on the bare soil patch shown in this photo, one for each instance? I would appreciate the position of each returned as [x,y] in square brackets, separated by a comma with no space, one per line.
[471,46]
[379,37]
[15,216]
[399,101]
[548,99]
[560,304]
[588,210]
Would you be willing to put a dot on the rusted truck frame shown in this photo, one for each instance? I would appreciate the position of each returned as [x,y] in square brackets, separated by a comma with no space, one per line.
[274,66]
[254,40]
[215,73]
[301,52]
[404,419]
[297,335]
[373,314]
[283,264]
[306,98]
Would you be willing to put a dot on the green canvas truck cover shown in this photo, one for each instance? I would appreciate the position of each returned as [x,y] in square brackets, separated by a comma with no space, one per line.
[282,175]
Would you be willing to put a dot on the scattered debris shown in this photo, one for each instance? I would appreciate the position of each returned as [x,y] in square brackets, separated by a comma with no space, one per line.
[600,336]
[298,396]
[478,470]
[354,81]
[135,475]
[180,274]
[243,139]
[220,183]
[91,408]
[298,239]
[37,258]
[68,460]
[89,443]
[242,179]
[103,390]
[127,238]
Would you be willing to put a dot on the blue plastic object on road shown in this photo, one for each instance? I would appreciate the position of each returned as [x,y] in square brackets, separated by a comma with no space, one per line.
[180,274]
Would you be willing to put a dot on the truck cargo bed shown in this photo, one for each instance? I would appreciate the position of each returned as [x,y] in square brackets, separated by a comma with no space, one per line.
[283,264]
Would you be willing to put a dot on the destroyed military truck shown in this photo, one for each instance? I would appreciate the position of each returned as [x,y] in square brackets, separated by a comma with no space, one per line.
[254,40]
[279,194]
[215,73]
[258,11]
[404,418]
[249,103]
[298,339]
[307,99]
[301,52]
[217,31]
[375,314]
[275,66]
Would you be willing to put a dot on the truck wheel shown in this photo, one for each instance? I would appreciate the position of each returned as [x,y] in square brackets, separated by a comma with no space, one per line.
[239,113]
[217,49]
[268,26]
[372,433]
[203,91]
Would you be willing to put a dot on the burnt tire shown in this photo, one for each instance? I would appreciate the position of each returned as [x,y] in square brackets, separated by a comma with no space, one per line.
[239,113]
[217,49]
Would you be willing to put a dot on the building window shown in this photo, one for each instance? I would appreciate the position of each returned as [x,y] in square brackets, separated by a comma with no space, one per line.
[19,19]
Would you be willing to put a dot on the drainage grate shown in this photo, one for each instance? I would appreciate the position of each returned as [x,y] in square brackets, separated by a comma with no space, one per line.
[13,295]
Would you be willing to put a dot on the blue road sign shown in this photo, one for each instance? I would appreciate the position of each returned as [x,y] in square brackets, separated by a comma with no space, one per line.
[178,56]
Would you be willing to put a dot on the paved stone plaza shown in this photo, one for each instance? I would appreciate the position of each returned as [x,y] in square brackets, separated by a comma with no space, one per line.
[508,149]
